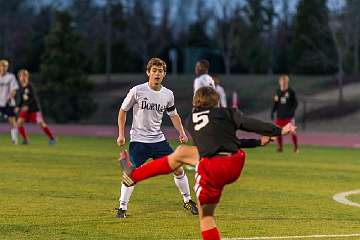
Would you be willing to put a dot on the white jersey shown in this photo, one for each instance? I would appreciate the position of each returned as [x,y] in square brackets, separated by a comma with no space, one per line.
[148,109]
[8,84]
[204,80]
[220,90]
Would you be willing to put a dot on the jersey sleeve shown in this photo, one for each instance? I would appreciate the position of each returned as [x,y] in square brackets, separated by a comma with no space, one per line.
[254,125]
[13,84]
[222,94]
[197,84]
[129,101]
[211,82]
[275,104]
[170,108]
[249,143]
[294,101]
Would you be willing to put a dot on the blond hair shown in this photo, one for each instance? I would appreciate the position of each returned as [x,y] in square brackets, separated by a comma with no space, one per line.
[4,62]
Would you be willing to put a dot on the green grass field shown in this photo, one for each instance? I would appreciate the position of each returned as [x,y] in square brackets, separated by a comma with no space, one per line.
[69,191]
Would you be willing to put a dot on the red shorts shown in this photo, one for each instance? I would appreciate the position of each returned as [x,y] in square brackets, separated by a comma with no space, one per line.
[212,174]
[33,117]
[281,122]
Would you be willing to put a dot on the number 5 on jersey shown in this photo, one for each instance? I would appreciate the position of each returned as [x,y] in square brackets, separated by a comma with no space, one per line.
[200,119]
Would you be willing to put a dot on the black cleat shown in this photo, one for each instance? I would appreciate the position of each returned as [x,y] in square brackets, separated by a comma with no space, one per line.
[127,168]
[120,213]
[191,206]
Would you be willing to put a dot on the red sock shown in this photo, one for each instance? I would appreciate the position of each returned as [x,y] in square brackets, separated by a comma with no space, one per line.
[23,133]
[295,141]
[211,234]
[280,142]
[156,167]
[48,132]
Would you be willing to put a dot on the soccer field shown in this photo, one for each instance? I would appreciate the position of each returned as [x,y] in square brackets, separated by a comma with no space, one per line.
[69,191]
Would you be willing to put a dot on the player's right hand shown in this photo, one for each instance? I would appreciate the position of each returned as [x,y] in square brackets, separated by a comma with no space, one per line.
[288,128]
[121,141]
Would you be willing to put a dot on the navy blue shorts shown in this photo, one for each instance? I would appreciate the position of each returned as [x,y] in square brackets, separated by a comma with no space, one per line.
[7,112]
[141,152]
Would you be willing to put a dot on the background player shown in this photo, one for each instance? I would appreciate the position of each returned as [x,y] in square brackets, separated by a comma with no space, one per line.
[8,87]
[149,102]
[214,133]
[28,107]
[284,105]
[203,79]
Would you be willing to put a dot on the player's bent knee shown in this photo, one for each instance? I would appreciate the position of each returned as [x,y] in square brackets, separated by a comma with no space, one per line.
[179,171]
[208,210]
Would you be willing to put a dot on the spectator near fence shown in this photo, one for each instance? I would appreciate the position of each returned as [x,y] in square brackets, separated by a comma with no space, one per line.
[284,105]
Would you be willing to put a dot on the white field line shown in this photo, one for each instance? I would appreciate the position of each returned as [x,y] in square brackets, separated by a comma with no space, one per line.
[341,198]
[297,237]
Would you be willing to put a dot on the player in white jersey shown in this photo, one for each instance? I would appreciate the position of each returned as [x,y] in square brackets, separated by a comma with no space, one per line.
[8,87]
[220,90]
[149,101]
[203,79]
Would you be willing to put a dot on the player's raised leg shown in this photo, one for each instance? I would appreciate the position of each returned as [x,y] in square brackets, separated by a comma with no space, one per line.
[182,155]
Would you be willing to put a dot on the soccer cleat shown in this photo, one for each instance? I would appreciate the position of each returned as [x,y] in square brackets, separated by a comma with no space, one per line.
[120,213]
[191,206]
[127,168]
[52,142]
[25,142]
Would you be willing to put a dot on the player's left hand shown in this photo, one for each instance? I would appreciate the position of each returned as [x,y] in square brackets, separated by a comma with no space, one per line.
[183,138]
[265,140]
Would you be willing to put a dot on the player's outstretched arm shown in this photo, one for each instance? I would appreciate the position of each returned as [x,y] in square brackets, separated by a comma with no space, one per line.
[176,121]
[253,143]
[121,125]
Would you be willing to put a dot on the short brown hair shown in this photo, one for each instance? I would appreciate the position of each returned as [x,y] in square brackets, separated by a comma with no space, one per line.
[155,62]
[23,71]
[204,64]
[206,97]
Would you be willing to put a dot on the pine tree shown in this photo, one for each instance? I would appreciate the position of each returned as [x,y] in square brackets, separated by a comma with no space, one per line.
[312,51]
[65,89]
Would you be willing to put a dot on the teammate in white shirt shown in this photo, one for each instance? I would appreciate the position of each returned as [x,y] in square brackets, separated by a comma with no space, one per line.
[203,79]
[149,101]
[8,87]
[220,90]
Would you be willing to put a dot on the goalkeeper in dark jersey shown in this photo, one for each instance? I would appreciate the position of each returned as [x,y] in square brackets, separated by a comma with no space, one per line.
[28,108]
[217,153]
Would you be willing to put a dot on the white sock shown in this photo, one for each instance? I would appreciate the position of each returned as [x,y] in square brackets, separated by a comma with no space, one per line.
[125,194]
[14,135]
[182,183]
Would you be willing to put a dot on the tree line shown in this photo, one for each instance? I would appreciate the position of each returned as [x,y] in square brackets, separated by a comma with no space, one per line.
[251,36]
[64,41]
